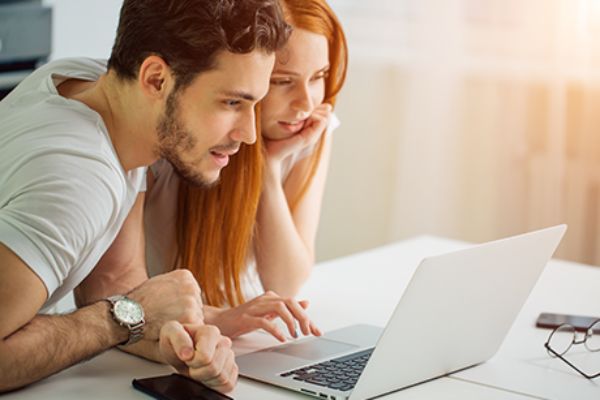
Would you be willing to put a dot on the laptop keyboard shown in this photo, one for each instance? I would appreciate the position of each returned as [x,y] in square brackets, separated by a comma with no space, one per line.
[340,373]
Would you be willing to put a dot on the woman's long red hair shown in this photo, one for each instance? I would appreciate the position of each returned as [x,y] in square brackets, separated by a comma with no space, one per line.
[216,225]
[316,16]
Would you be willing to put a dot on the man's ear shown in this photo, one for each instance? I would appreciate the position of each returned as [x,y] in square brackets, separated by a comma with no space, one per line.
[155,77]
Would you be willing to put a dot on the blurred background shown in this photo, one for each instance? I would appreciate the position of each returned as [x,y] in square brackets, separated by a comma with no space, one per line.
[468,119]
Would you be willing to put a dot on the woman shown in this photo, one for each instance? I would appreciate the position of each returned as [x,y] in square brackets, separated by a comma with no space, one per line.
[255,230]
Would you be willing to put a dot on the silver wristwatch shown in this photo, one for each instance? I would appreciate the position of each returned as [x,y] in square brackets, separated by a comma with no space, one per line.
[130,314]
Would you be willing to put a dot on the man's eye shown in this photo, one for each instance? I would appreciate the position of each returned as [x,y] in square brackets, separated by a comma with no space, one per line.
[232,103]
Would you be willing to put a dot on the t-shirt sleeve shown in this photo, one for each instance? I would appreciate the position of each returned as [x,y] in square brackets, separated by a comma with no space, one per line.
[57,210]
[143,185]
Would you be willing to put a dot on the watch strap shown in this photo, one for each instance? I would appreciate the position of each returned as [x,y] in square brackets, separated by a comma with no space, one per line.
[136,333]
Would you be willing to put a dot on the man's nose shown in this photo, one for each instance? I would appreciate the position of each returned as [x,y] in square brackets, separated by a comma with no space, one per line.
[246,129]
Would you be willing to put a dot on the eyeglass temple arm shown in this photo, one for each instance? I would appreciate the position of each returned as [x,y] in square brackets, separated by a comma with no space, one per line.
[569,363]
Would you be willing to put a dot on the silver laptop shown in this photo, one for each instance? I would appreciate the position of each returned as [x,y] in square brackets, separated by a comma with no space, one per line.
[454,314]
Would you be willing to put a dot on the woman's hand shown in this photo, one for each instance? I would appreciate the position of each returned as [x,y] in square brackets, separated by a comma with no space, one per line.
[313,128]
[259,313]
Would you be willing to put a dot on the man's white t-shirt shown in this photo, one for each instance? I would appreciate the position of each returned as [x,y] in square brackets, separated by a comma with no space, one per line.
[63,192]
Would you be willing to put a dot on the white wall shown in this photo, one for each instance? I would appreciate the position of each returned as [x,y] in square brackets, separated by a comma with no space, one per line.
[83,27]
[490,115]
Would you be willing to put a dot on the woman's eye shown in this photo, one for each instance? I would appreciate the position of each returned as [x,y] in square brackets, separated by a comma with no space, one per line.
[323,75]
[280,82]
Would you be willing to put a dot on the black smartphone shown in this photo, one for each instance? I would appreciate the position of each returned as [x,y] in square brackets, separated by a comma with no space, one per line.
[551,321]
[177,387]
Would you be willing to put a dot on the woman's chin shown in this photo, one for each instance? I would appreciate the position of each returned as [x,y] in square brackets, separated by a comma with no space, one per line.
[278,135]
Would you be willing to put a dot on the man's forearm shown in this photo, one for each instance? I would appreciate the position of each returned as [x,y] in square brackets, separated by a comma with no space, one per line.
[48,344]
[145,348]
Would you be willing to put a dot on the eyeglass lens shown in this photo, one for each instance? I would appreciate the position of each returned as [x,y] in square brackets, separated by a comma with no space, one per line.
[593,337]
[562,339]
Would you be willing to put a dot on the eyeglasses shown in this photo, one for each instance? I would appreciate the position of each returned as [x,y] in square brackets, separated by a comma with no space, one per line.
[563,337]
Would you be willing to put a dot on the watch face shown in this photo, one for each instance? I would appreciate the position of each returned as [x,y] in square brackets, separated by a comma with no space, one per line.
[128,311]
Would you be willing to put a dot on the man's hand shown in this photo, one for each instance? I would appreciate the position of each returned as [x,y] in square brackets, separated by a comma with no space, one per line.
[259,313]
[200,352]
[174,296]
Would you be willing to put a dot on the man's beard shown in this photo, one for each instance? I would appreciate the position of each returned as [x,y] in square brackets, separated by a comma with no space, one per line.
[173,140]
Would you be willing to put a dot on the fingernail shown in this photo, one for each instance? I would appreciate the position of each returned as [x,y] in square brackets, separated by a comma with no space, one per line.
[187,352]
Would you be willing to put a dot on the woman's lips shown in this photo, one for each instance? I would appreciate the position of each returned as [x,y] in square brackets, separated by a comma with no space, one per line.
[292,127]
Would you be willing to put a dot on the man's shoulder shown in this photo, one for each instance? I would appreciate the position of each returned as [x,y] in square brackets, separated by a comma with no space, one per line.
[80,68]
[68,152]
[67,130]
[41,83]
[38,123]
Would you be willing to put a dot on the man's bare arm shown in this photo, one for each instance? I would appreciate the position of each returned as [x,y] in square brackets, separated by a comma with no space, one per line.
[172,304]
[35,346]
[120,270]
[123,266]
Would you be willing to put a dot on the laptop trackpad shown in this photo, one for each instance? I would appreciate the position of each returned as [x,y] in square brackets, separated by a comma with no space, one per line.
[314,349]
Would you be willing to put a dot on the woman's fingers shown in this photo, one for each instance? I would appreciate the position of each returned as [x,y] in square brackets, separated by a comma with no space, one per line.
[313,128]
[316,124]
[299,315]
[304,303]
[268,326]
[276,306]
[314,330]
[260,312]
[290,311]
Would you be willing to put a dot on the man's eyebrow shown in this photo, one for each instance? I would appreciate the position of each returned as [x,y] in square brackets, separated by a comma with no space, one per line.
[239,95]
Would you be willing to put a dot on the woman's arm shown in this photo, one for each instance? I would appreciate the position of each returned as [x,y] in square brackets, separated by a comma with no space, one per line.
[285,243]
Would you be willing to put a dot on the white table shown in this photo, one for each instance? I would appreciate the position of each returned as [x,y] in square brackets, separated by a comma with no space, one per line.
[365,288]
[522,364]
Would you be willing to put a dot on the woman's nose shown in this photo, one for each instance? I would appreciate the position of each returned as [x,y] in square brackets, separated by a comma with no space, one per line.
[303,103]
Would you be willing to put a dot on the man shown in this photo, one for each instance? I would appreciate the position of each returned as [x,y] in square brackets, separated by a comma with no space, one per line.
[75,139]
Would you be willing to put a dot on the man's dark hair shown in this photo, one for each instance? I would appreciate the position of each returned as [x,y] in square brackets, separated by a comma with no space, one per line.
[188,34]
